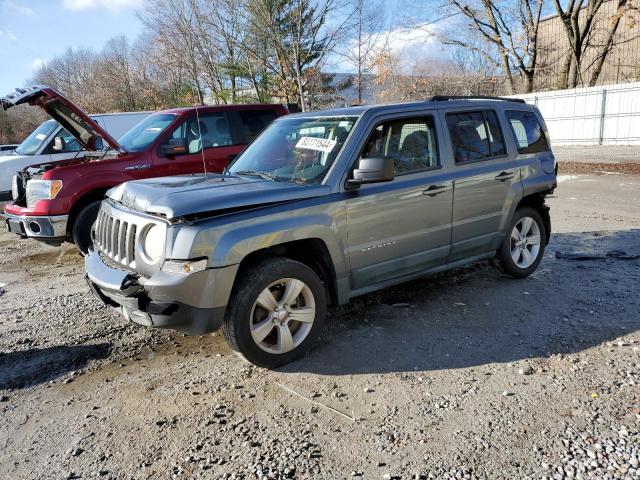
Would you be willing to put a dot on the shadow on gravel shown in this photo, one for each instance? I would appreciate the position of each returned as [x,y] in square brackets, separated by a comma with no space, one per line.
[31,367]
[475,316]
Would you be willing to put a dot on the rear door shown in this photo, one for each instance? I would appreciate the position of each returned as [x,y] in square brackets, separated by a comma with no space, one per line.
[401,227]
[253,121]
[485,179]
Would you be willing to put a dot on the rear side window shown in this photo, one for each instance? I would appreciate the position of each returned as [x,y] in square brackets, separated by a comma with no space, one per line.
[254,121]
[411,142]
[528,132]
[475,136]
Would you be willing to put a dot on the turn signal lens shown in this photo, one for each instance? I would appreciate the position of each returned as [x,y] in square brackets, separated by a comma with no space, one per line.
[184,267]
[56,186]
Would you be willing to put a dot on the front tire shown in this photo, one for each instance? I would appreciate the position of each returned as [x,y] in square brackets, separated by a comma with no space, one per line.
[81,230]
[523,247]
[276,312]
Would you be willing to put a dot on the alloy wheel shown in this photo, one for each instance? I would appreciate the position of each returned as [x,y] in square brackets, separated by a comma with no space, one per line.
[525,242]
[282,316]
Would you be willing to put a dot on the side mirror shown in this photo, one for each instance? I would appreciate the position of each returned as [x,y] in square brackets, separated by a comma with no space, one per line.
[173,148]
[373,170]
[95,143]
[58,144]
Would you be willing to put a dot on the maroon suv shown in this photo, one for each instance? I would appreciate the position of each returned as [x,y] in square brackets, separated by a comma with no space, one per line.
[60,201]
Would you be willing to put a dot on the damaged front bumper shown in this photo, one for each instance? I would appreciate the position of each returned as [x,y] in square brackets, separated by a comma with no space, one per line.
[194,304]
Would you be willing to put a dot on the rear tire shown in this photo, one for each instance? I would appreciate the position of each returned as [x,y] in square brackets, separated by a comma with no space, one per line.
[276,312]
[81,230]
[523,246]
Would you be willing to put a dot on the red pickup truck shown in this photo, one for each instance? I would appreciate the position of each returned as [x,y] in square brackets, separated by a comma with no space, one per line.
[59,202]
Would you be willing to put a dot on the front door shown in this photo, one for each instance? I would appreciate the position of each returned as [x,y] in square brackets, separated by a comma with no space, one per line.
[208,141]
[484,175]
[401,227]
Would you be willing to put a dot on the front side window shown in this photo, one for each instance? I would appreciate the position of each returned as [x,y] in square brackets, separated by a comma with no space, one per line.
[69,143]
[527,131]
[36,139]
[140,137]
[296,149]
[254,121]
[410,142]
[202,132]
[475,136]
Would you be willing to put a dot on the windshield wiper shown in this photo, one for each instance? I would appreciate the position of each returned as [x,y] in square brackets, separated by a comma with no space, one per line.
[254,173]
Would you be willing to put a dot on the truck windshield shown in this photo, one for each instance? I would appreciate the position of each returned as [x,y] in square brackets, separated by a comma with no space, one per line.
[34,141]
[144,133]
[295,149]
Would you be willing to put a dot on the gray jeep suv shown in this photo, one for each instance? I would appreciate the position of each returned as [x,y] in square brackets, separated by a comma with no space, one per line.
[323,207]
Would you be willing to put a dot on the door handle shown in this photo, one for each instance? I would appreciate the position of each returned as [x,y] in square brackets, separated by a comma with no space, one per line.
[505,176]
[434,190]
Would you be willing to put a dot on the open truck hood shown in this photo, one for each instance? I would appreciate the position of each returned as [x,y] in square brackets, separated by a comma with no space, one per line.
[77,122]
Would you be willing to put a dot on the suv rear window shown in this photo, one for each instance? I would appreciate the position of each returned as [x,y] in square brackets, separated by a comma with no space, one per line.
[528,132]
[475,136]
[254,121]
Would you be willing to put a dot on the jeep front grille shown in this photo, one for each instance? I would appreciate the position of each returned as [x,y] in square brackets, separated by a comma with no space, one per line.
[116,239]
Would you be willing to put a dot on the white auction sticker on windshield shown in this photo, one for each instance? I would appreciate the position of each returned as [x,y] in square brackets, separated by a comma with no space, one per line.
[41,136]
[317,144]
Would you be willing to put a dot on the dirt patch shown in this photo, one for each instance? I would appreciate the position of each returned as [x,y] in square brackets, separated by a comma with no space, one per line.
[594,168]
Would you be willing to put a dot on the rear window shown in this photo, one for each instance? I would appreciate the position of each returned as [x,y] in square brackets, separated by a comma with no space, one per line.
[254,121]
[475,136]
[527,131]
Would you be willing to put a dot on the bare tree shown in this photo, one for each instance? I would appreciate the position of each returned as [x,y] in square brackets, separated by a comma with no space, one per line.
[510,32]
[366,40]
[579,18]
[298,37]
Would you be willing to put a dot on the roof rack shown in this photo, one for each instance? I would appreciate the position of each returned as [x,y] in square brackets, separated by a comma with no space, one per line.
[445,98]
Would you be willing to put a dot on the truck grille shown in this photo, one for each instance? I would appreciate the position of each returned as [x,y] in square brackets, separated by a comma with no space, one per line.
[116,239]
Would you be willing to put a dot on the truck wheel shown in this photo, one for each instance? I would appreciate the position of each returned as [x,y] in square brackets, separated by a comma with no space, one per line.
[523,248]
[81,230]
[276,312]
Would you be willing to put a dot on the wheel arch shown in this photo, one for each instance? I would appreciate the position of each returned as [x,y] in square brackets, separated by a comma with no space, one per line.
[537,202]
[85,199]
[312,252]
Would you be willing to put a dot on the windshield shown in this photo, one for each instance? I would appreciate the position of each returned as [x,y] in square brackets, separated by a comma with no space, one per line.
[34,141]
[295,149]
[144,133]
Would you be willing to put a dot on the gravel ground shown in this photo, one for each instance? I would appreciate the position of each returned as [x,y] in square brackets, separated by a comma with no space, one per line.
[466,374]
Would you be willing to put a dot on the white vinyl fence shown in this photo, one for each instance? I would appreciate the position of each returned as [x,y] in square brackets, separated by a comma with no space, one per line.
[604,115]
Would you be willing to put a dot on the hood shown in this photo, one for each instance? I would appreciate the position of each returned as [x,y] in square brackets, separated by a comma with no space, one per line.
[10,156]
[174,197]
[77,122]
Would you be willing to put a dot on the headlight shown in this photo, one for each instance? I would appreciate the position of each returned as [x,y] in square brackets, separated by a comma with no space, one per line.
[14,187]
[42,190]
[153,244]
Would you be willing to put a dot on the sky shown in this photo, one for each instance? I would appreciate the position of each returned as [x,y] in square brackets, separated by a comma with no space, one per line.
[33,31]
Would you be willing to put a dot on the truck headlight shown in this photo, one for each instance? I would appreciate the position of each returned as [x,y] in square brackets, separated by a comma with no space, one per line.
[42,190]
[153,243]
[14,187]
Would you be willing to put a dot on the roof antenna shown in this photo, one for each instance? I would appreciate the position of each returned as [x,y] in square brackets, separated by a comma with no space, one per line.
[204,163]
[197,95]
